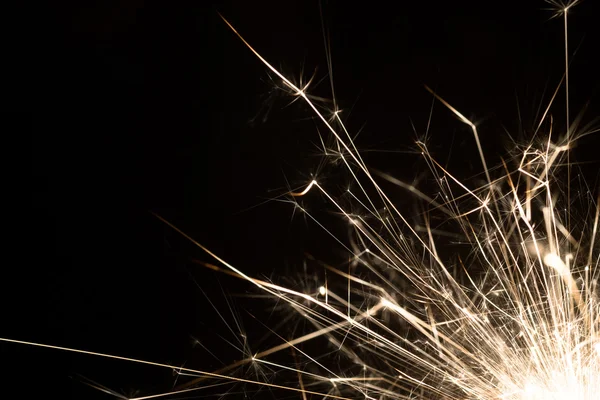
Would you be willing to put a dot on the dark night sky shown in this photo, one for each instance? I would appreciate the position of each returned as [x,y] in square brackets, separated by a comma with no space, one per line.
[159,108]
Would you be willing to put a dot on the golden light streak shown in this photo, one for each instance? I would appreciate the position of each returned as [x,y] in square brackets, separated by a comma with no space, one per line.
[173,367]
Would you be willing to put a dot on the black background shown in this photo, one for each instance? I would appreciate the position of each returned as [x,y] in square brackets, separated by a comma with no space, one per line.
[158,108]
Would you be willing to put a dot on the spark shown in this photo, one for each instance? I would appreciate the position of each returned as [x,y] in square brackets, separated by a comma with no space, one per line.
[519,321]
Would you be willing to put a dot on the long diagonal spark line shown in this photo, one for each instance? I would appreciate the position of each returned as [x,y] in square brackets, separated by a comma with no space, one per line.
[173,367]
[353,154]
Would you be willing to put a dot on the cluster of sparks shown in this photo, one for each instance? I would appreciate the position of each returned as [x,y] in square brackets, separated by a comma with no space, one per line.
[520,320]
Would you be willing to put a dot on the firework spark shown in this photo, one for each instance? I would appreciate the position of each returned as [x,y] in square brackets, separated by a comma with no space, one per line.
[525,328]
[520,321]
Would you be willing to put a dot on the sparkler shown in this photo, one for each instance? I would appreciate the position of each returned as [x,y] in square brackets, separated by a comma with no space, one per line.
[519,321]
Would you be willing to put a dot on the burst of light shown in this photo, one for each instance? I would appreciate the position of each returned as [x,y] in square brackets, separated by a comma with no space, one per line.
[527,327]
